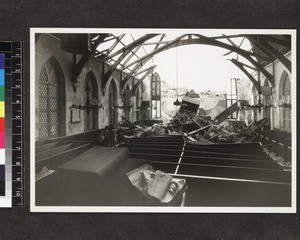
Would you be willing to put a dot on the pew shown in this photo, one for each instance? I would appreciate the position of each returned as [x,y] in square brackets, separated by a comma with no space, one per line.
[95,177]
[239,174]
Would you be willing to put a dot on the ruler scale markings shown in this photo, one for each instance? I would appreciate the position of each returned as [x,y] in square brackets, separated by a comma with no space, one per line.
[16,120]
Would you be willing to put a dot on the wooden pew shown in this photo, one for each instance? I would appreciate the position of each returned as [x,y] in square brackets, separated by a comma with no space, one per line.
[235,162]
[216,192]
[56,158]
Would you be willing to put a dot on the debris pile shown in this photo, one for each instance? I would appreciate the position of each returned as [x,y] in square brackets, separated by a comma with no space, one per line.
[192,126]
[156,186]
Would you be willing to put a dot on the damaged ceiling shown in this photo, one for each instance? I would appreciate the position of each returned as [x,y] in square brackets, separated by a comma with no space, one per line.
[133,54]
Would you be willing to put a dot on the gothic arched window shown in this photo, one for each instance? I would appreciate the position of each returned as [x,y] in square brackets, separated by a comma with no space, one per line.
[285,101]
[50,107]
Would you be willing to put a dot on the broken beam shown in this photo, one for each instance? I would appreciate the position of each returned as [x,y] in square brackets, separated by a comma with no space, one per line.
[277,54]
[125,51]
[144,76]
[129,75]
[80,65]
[251,78]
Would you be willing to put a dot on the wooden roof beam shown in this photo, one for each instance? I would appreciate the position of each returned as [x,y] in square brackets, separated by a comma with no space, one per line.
[143,77]
[286,62]
[98,41]
[80,65]
[158,50]
[132,45]
[133,52]
[144,70]
[199,40]
[251,78]
[118,39]
[160,41]
[244,53]
[125,51]
[245,65]
[137,67]
[275,40]
[255,42]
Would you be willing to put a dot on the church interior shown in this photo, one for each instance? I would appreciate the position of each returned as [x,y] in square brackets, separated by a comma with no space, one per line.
[98,117]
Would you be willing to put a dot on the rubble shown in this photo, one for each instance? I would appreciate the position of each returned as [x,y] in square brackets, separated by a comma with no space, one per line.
[193,127]
[156,186]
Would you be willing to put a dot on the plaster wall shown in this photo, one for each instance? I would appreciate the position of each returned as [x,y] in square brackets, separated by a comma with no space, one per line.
[47,46]
[277,69]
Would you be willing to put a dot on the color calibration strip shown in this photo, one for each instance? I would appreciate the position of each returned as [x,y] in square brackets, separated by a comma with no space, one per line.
[5,50]
[2,125]
[12,111]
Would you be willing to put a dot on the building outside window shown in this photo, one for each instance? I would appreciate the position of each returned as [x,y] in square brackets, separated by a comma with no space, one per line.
[155,96]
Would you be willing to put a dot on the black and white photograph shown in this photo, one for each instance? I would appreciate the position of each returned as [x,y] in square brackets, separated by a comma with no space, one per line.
[162,120]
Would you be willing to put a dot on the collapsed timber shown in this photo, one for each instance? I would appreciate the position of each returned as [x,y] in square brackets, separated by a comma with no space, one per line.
[201,129]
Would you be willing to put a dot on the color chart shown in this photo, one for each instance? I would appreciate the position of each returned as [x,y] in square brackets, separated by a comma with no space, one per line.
[11,124]
[2,126]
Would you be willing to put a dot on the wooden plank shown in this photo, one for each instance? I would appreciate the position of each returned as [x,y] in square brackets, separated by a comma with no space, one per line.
[55,160]
[255,146]
[139,82]
[199,129]
[156,139]
[227,155]
[128,122]
[211,192]
[45,147]
[54,151]
[156,142]
[224,150]
[154,145]
[237,172]
[156,157]
[222,163]
[155,151]
[231,162]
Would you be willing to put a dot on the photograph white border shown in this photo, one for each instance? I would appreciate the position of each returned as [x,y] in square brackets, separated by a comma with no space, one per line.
[121,209]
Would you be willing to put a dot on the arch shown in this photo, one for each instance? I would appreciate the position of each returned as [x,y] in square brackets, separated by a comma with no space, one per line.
[138,103]
[254,94]
[90,98]
[266,83]
[266,98]
[284,84]
[113,81]
[255,99]
[127,86]
[113,102]
[155,95]
[127,102]
[52,108]
[200,39]
[284,97]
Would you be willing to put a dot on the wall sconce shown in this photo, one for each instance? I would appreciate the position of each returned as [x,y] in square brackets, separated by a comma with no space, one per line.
[90,105]
[177,103]
[75,85]
[123,107]
[87,107]
[285,106]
